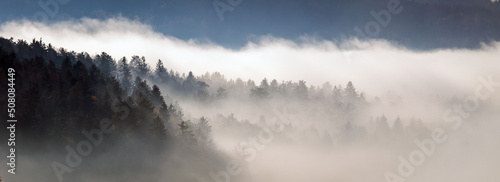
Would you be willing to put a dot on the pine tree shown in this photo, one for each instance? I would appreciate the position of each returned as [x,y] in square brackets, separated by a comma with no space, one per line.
[250,83]
[338,102]
[186,134]
[264,84]
[156,97]
[259,93]
[106,64]
[140,67]
[158,129]
[141,89]
[85,59]
[202,92]
[189,85]
[204,133]
[160,73]
[337,93]
[350,91]
[300,90]
[164,114]
[125,74]
[184,127]
[273,88]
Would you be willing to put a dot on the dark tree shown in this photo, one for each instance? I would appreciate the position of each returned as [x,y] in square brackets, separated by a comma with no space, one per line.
[202,94]
[158,129]
[160,74]
[259,93]
[125,74]
[156,97]
[140,67]
[106,64]
[186,133]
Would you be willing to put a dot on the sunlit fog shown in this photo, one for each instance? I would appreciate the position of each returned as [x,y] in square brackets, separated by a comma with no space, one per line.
[100,97]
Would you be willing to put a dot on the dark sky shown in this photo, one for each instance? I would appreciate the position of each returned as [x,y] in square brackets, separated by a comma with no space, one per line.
[243,20]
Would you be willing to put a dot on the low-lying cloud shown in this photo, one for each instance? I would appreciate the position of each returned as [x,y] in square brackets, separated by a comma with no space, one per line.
[374,65]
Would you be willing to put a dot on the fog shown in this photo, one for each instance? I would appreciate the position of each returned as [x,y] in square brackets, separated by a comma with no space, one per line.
[282,136]
[374,65]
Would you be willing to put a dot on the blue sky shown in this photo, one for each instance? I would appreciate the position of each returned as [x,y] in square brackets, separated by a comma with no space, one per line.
[232,23]
[183,19]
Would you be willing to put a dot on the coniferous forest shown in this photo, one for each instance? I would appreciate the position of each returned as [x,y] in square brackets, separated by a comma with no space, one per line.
[249,91]
[85,117]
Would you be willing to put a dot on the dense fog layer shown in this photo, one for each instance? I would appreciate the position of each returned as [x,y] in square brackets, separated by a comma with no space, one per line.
[352,111]
[375,65]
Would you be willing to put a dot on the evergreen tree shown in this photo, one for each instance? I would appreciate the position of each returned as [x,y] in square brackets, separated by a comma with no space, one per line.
[186,134]
[202,92]
[141,91]
[300,90]
[140,67]
[273,87]
[158,129]
[337,93]
[156,97]
[204,133]
[189,85]
[259,93]
[350,92]
[125,74]
[250,84]
[338,101]
[264,84]
[164,114]
[85,59]
[106,64]
[160,73]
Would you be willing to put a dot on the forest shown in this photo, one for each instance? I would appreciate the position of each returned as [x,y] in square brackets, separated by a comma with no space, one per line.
[85,117]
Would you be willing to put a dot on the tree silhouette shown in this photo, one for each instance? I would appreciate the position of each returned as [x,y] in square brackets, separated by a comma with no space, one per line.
[259,93]
[204,133]
[158,129]
[140,67]
[125,74]
[160,73]
[186,133]
[106,64]
[300,90]
[156,98]
[350,92]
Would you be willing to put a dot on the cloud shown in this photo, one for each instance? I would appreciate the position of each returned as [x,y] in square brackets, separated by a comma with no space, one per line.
[374,65]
